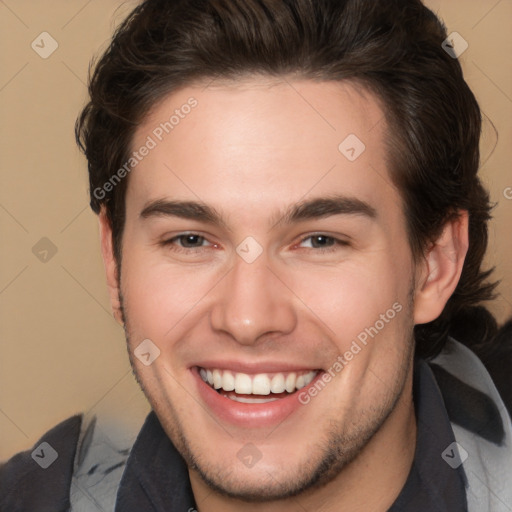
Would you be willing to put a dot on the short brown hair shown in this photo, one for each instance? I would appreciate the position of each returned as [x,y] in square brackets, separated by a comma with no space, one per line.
[391,47]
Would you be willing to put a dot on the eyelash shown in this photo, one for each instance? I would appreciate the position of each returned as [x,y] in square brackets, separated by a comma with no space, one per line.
[176,248]
[171,243]
[337,243]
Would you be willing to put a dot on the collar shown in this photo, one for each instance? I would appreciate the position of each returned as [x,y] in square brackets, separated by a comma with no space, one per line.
[432,483]
[156,476]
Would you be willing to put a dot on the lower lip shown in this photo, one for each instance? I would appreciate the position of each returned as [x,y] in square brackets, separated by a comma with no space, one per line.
[249,415]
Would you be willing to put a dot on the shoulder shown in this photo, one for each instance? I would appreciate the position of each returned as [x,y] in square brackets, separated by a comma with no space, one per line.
[40,478]
[79,461]
[481,424]
[470,395]
[100,461]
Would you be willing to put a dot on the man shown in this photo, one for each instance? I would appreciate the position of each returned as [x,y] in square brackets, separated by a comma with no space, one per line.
[291,222]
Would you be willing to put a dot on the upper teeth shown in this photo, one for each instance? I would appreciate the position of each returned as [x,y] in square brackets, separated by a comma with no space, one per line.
[259,384]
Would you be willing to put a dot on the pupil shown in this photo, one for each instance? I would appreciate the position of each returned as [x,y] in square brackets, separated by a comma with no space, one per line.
[320,240]
[191,239]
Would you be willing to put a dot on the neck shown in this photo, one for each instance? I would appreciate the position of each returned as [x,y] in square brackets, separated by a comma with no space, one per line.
[372,481]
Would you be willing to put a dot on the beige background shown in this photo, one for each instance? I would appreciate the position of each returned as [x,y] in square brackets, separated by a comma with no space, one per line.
[61,352]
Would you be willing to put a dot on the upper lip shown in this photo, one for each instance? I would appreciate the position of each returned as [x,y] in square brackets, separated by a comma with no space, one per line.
[251,368]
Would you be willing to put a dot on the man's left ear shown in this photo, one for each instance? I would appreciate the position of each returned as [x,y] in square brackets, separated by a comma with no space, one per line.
[441,269]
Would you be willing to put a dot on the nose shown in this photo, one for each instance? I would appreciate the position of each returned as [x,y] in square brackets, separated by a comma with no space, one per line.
[252,302]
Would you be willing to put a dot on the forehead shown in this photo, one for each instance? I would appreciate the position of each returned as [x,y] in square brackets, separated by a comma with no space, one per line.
[263,143]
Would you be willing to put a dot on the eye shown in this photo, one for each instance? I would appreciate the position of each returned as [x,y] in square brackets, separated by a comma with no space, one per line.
[190,240]
[323,242]
[187,242]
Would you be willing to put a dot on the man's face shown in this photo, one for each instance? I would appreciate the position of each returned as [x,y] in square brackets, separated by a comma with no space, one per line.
[261,300]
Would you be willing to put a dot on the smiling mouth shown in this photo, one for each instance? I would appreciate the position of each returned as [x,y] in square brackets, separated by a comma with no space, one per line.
[256,389]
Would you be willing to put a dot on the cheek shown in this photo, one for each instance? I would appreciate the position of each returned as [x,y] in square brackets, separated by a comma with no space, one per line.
[158,296]
[351,297]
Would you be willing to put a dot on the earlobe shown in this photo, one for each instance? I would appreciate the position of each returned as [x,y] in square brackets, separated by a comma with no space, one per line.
[110,264]
[441,270]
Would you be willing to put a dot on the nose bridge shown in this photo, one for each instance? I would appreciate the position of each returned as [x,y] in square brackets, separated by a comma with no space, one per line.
[252,302]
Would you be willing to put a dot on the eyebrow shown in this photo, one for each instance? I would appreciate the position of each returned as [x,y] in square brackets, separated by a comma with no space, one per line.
[316,208]
[192,210]
[325,207]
